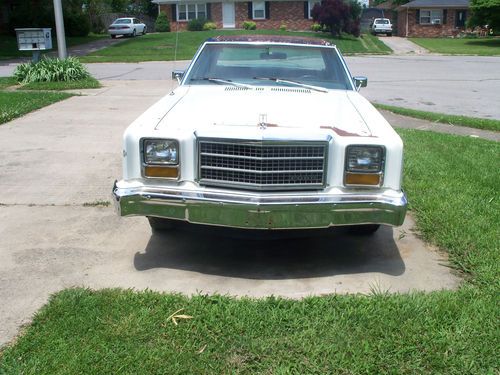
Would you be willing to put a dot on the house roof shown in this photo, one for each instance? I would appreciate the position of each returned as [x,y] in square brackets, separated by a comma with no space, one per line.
[271,39]
[436,4]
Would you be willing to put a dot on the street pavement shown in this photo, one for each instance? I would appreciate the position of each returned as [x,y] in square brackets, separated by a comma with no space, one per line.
[462,85]
[57,167]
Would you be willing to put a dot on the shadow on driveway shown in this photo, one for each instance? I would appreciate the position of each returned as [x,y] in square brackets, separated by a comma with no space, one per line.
[329,253]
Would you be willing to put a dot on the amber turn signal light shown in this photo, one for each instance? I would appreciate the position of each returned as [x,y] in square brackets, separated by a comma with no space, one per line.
[362,179]
[162,172]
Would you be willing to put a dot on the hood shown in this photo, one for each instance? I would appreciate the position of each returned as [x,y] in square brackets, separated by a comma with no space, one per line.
[281,107]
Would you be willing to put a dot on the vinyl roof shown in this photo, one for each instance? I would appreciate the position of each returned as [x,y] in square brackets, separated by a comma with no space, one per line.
[271,39]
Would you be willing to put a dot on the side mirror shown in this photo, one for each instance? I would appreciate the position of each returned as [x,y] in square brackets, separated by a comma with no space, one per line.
[178,74]
[360,82]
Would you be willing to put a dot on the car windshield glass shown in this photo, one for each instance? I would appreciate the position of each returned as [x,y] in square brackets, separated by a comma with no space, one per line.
[382,22]
[122,20]
[262,65]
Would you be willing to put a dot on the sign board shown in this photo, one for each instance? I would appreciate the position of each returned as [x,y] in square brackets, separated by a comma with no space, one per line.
[34,39]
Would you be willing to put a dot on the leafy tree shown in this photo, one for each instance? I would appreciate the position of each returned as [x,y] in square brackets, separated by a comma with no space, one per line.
[162,24]
[338,16]
[485,12]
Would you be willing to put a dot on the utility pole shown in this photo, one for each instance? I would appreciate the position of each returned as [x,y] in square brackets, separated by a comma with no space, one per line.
[61,40]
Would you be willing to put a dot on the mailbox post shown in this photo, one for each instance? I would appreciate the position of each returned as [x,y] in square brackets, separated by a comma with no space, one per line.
[35,40]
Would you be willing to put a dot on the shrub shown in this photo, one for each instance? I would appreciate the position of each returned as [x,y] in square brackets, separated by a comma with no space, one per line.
[162,24]
[76,24]
[249,25]
[316,27]
[338,16]
[282,27]
[196,24]
[51,70]
[209,26]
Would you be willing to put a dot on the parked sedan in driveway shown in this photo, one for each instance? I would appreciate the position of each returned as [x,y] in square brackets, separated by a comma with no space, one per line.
[264,132]
[127,27]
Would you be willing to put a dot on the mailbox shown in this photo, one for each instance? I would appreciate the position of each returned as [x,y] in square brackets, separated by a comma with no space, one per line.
[34,39]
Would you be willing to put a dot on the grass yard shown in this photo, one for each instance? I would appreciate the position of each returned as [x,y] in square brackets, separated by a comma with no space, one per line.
[7,82]
[17,104]
[461,46]
[161,46]
[472,122]
[8,45]
[452,183]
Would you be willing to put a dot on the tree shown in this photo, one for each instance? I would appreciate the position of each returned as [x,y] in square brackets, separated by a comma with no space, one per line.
[485,12]
[338,16]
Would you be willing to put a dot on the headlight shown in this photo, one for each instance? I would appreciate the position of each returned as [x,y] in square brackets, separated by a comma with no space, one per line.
[367,159]
[161,151]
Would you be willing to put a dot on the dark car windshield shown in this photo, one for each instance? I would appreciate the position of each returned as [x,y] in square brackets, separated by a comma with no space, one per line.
[122,20]
[269,65]
[382,22]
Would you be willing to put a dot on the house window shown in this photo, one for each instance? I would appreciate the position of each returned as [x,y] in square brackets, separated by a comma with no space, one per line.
[311,5]
[186,12]
[259,10]
[431,17]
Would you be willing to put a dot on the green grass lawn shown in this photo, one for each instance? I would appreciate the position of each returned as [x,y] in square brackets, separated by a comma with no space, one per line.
[16,104]
[159,47]
[8,45]
[87,83]
[452,183]
[461,46]
[472,122]
[7,82]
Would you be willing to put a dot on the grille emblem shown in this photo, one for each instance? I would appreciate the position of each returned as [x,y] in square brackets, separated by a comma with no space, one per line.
[262,121]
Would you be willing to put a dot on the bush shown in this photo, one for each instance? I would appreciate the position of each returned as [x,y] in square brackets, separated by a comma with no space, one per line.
[209,26]
[316,27]
[162,24]
[282,27]
[196,24]
[76,24]
[338,16]
[249,25]
[51,70]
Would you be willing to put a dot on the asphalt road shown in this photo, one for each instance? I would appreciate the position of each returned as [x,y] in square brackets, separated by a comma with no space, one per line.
[465,85]
[58,162]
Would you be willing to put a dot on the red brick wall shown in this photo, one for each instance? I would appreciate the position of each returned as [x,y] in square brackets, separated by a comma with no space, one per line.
[288,13]
[426,31]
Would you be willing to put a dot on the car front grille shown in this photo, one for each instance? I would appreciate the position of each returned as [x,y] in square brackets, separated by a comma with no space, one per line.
[261,165]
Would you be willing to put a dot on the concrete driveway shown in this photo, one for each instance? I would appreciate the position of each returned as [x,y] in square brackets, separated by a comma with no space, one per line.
[57,166]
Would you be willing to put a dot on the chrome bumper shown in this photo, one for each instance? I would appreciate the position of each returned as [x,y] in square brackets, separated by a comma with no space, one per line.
[257,210]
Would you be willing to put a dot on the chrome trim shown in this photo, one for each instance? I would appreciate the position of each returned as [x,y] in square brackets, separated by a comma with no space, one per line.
[260,187]
[144,164]
[259,211]
[381,172]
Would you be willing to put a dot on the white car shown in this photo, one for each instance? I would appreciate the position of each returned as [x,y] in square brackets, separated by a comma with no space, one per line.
[264,132]
[128,26]
[381,26]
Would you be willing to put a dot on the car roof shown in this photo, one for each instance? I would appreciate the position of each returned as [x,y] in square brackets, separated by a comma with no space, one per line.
[284,39]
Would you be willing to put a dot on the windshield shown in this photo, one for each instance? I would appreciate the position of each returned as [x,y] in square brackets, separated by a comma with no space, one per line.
[269,65]
[122,20]
[382,22]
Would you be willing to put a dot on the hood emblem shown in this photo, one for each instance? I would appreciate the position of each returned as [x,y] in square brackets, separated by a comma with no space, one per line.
[262,121]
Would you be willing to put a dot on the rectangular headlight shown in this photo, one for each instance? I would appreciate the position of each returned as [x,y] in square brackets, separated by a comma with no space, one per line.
[161,151]
[366,159]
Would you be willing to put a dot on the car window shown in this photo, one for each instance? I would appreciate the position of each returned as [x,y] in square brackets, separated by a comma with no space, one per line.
[382,22]
[316,66]
[123,20]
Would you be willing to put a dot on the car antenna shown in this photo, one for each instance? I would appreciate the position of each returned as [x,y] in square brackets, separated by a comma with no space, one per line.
[176,43]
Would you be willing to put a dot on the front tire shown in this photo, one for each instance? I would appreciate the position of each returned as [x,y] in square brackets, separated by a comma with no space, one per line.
[364,230]
[133,34]
[144,31]
[161,225]
[113,36]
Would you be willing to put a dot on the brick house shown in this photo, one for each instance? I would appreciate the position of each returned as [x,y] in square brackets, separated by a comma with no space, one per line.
[432,18]
[295,15]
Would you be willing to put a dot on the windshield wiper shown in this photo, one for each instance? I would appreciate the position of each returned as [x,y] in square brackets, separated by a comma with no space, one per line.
[224,81]
[295,83]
